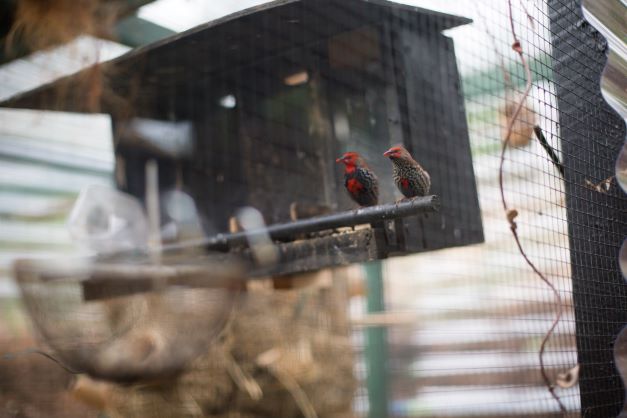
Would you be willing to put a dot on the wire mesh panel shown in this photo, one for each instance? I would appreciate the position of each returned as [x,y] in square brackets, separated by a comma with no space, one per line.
[508,298]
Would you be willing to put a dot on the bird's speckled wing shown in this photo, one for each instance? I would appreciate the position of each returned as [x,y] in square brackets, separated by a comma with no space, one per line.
[363,187]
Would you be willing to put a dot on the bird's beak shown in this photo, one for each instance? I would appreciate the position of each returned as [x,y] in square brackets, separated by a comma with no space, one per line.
[340,160]
[388,153]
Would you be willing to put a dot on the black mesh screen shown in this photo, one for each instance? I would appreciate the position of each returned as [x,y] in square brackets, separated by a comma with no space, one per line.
[507,301]
[592,137]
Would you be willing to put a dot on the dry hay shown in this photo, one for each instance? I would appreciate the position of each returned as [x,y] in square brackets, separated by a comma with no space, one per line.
[281,354]
[33,386]
[42,24]
[38,25]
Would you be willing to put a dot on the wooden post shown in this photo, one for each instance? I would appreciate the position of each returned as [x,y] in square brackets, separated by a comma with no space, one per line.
[592,135]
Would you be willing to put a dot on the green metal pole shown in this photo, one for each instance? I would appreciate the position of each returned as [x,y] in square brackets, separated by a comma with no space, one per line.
[376,345]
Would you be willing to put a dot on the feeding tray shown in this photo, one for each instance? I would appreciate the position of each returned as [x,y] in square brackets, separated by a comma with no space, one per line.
[300,245]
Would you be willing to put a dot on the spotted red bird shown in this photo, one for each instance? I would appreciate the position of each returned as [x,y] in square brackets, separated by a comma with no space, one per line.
[410,178]
[362,184]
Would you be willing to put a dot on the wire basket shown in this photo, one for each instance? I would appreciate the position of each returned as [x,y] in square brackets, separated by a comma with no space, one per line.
[124,337]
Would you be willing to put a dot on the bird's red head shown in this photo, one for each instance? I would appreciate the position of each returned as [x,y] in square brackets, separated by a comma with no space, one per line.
[351,159]
[397,152]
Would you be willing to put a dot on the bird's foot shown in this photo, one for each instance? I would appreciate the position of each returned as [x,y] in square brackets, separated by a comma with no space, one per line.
[401,199]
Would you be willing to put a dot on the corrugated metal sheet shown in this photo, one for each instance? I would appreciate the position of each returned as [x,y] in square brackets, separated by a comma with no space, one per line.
[45,160]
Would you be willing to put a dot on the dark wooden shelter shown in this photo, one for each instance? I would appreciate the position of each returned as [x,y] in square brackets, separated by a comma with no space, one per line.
[253,108]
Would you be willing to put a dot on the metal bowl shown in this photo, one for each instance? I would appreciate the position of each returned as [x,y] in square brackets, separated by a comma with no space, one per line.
[128,321]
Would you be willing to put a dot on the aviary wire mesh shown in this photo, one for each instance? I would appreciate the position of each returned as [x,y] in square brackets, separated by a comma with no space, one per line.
[456,327]
[481,312]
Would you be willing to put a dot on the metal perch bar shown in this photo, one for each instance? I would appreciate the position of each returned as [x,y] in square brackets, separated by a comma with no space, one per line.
[111,278]
[290,230]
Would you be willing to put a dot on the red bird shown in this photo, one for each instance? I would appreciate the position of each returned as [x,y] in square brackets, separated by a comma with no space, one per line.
[410,178]
[362,184]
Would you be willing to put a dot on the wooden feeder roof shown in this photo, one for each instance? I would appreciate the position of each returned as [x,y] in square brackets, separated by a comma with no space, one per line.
[231,41]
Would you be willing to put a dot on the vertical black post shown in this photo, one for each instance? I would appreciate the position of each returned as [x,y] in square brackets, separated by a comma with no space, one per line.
[592,135]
